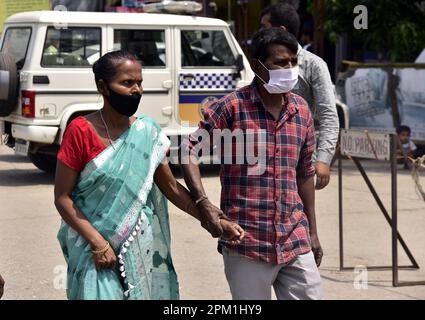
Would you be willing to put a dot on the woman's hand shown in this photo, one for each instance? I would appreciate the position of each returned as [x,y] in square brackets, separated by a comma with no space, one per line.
[105,260]
[232,232]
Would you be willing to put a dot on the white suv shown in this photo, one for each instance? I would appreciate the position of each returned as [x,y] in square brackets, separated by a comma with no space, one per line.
[46,78]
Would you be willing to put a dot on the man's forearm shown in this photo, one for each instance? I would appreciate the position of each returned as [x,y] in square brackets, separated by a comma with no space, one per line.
[327,141]
[307,195]
[328,133]
[192,177]
[208,213]
[327,115]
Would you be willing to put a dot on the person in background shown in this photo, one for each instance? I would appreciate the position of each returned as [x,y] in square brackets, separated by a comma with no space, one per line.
[307,39]
[315,86]
[212,9]
[407,148]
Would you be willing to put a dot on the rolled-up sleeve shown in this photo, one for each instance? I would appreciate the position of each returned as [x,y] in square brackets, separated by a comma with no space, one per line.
[326,112]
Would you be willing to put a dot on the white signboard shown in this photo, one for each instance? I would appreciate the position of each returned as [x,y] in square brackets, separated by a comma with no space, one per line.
[365,144]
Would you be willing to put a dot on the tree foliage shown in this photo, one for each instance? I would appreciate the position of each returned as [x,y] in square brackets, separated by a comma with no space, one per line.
[396,28]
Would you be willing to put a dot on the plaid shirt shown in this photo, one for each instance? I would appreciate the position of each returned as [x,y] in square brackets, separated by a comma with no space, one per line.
[266,205]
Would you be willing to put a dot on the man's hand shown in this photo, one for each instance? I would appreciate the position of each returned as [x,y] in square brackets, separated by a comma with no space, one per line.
[317,249]
[210,218]
[323,175]
[1,286]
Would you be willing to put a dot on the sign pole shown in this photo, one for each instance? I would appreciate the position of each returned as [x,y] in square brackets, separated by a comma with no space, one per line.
[394,209]
[341,223]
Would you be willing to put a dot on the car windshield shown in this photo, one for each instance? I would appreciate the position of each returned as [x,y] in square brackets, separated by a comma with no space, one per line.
[16,42]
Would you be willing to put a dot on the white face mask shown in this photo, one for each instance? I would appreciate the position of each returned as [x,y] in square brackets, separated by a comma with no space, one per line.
[281,80]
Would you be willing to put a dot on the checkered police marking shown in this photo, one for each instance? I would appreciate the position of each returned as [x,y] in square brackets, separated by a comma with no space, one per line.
[209,81]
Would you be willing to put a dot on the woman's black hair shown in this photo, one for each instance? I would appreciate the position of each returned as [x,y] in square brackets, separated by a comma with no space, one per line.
[106,67]
[262,40]
[401,129]
[283,14]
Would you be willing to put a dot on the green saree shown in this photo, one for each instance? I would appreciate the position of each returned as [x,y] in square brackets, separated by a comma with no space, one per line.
[117,194]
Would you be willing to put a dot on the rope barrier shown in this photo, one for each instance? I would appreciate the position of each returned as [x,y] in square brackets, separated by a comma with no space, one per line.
[418,164]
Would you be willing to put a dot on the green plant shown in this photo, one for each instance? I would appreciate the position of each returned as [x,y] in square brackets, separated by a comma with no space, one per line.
[396,28]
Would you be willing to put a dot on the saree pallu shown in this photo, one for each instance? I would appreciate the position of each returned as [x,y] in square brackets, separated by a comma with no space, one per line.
[116,193]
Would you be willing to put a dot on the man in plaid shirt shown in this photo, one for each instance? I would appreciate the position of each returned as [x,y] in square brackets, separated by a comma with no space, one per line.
[273,199]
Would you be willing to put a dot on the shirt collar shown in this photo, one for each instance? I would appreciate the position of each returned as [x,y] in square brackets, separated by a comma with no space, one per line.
[291,104]
[254,95]
[299,49]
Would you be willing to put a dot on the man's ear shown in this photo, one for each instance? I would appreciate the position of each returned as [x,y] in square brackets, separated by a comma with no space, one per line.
[283,28]
[102,87]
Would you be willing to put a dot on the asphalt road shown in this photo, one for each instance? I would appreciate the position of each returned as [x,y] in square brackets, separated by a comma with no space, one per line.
[33,266]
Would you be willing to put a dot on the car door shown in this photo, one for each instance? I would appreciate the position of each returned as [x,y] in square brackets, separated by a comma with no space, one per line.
[206,70]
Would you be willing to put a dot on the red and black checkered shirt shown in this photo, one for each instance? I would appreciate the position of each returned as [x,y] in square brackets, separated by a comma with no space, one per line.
[266,205]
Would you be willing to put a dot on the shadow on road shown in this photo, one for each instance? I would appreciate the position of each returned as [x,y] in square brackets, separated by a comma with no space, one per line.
[370,166]
[18,171]
[13,158]
[30,176]
[25,177]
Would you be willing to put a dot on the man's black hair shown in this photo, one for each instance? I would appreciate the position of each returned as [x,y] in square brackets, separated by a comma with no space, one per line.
[262,40]
[283,14]
[401,129]
[106,67]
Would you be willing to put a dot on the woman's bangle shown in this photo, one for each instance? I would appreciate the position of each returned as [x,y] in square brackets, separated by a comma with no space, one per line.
[101,251]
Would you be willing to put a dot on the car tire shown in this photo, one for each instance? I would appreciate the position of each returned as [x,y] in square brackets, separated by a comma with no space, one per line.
[8,84]
[44,162]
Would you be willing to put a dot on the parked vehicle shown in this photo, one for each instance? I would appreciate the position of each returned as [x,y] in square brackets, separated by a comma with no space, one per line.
[46,78]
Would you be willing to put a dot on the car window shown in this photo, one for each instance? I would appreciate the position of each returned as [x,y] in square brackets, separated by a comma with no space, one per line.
[206,49]
[72,47]
[16,42]
[147,45]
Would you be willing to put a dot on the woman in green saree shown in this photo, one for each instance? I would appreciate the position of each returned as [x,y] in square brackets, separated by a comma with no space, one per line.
[110,184]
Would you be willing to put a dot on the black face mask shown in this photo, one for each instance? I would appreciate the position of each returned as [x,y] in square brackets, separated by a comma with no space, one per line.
[124,104]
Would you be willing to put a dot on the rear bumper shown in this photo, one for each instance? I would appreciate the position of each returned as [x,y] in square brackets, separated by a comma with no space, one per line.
[41,134]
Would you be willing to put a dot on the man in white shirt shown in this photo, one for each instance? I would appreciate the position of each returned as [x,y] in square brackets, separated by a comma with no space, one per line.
[315,86]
